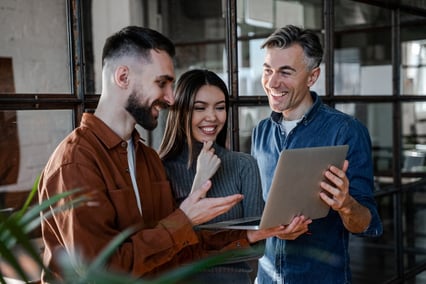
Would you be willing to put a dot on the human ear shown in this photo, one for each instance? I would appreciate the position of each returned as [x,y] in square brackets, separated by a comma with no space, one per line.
[121,76]
[313,77]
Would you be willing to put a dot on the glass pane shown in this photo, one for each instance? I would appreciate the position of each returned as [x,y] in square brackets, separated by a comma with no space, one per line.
[198,30]
[353,13]
[249,117]
[34,55]
[194,20]
[261,17]
[414,137]
[347,71]
[250,68]
[374,260]
[413,124]
[362,49]
[414,206]
[421,277]
[413,55]
[205,56]
[374,116]
[31,137]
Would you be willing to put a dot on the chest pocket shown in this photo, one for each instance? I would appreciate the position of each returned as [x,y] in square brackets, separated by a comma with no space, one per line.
[127,212]
[161,203]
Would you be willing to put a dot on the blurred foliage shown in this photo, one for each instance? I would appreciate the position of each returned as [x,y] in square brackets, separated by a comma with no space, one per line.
[15,228]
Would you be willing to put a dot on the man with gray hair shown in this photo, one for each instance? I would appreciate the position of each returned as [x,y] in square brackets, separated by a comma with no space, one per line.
[299,119]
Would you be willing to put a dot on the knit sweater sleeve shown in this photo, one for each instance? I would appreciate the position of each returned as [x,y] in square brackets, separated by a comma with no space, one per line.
[251,187]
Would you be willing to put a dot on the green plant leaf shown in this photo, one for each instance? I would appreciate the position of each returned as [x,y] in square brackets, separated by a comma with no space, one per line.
[75,270]
[12,234]
[183,272]
[99,276]
[30,197]
[20,236]
[9,258]
[32,219]
[34,212]
[14,229]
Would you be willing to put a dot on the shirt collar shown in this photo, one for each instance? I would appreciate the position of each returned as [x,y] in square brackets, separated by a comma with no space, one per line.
[104,132]
[278,116]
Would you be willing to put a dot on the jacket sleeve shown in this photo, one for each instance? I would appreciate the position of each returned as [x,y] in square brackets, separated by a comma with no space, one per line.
[164,240]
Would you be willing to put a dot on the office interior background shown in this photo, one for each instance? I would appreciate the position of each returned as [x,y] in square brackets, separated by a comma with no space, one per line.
[374,68]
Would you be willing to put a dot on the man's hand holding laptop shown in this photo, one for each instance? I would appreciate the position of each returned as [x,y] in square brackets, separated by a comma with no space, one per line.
[336,195]
[297,227]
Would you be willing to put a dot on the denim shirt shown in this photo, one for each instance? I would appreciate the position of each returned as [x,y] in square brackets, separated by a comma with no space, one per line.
[322,255]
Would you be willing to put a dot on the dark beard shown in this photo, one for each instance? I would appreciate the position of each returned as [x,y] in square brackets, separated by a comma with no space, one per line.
[142,114]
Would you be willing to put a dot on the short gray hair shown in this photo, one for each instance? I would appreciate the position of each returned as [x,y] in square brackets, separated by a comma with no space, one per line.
[309,41]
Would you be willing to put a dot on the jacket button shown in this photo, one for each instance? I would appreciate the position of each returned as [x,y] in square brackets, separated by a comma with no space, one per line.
[124,144]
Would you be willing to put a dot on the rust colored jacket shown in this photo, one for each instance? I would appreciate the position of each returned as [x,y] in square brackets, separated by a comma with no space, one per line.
[94,159]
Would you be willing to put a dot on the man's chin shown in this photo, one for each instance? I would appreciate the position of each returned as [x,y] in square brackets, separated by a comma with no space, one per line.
[149,126]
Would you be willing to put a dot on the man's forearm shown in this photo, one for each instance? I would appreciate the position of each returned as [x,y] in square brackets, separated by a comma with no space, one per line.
[356,217]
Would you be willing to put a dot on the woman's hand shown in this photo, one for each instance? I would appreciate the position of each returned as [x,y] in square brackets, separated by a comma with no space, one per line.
[207,165]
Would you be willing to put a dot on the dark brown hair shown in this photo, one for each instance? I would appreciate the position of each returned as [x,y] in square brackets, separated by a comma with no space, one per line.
[178,128]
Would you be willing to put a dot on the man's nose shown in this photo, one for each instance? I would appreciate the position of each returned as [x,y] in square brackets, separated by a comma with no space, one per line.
[273,81]
[169,96]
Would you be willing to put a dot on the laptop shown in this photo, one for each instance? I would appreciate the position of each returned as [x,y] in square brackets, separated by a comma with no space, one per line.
[294,189]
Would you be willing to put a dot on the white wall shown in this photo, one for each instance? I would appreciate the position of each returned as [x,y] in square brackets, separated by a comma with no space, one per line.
[33,34]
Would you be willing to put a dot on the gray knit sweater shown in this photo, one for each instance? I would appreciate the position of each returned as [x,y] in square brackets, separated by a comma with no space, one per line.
[238,173]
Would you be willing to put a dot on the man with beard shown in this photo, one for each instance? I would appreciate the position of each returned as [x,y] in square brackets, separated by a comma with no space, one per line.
[105,157]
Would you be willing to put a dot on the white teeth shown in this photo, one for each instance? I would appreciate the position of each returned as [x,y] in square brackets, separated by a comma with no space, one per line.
[208,129]
[279,95]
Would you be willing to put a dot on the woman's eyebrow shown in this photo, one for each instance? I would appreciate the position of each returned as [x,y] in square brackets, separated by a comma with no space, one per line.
[203,102]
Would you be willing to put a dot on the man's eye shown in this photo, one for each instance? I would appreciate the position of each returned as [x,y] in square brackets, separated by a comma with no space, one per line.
[267,71]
